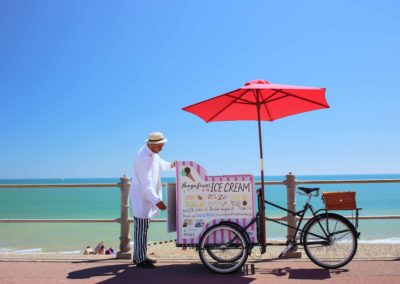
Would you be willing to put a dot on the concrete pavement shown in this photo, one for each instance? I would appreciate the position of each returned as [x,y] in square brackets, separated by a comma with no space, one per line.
[385,270]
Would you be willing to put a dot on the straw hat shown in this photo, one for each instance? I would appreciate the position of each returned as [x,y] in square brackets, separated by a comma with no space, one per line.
[156,138]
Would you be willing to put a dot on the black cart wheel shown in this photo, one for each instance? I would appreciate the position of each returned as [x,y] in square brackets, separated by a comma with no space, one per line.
[223,249]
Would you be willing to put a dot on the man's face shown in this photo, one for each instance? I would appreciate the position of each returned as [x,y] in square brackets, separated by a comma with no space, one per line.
[155,148]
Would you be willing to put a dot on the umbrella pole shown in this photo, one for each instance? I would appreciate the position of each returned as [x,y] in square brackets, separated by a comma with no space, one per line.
[262,197]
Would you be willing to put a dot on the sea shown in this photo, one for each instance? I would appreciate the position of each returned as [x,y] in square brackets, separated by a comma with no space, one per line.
[104,203]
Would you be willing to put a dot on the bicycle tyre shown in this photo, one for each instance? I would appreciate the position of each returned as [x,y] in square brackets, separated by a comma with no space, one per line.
[336,247]
[226,256]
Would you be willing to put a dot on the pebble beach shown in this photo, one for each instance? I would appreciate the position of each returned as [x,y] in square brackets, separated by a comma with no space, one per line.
[168,251]
[364,251]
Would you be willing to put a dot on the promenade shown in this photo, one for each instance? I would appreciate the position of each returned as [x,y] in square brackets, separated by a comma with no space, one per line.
[369,266]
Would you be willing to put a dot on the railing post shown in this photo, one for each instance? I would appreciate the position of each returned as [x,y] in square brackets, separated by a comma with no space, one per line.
[125,239]
[291,219]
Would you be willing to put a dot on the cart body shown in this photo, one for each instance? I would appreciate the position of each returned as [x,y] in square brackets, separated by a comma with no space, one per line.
[203,201]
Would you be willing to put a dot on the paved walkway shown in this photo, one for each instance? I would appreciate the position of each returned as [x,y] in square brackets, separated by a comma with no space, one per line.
[192,271]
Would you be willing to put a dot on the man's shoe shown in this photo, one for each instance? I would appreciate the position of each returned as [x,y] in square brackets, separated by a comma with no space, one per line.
[148,259]
[146,264]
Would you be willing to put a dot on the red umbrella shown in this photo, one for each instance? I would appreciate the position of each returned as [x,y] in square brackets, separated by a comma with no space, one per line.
[260,100]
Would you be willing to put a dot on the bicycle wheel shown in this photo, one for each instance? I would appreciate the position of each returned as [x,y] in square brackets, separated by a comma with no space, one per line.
[223,249]
[330,241]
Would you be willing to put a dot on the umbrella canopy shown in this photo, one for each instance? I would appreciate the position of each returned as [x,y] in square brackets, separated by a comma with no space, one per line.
[260,100]
[274,101]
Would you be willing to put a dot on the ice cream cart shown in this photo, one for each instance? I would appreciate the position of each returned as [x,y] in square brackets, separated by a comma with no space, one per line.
[217,215]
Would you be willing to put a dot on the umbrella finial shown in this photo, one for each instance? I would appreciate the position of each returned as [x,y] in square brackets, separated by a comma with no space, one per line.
[257,82]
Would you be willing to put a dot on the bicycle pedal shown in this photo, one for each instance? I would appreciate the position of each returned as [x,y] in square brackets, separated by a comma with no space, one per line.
[282,254]
[285,251]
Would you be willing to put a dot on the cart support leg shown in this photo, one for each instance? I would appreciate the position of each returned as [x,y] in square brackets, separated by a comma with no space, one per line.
[291,219]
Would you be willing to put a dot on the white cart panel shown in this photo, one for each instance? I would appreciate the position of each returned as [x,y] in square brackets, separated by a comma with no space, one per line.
[203,201]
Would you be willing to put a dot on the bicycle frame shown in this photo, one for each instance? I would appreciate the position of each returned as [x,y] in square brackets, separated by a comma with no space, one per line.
[301,213]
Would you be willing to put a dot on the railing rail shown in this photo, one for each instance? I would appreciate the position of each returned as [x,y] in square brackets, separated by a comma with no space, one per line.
[73,185]
[107,185]
[163,220]
[333,181]
[348,181]
[125,221]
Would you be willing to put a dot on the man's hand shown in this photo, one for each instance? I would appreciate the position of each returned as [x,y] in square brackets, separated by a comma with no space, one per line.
[173,164]
[161,205]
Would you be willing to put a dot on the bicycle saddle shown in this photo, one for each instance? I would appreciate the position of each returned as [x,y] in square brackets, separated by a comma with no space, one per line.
[308,190]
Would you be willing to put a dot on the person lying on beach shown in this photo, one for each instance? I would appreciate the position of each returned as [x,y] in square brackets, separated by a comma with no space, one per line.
[99,246]
[101,250]
[110,251]
[88,251]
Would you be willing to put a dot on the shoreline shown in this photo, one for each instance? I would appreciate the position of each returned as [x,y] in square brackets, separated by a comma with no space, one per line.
[168,251]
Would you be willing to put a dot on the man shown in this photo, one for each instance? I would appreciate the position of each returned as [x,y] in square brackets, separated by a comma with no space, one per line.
[146,194]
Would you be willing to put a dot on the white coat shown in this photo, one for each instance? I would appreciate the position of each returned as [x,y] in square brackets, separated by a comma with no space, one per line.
[145,190]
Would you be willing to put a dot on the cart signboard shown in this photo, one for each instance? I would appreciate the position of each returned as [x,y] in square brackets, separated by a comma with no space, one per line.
[203,201]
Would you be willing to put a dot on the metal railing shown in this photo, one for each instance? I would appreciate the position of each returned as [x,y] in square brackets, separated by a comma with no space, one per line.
[124,220]
[124,185]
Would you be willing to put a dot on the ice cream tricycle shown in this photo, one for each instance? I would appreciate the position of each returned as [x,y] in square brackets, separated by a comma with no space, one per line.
[217,216]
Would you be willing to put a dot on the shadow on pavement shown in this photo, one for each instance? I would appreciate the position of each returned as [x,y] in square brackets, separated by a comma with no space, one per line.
[177,273]
[92,260]
[306,273]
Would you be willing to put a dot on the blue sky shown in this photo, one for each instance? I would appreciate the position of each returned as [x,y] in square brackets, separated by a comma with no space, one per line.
[82,83]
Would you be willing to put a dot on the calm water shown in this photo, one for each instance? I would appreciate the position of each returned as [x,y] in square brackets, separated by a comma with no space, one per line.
[99,203]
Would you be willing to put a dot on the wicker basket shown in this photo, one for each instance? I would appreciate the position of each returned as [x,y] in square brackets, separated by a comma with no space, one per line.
[340,200]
